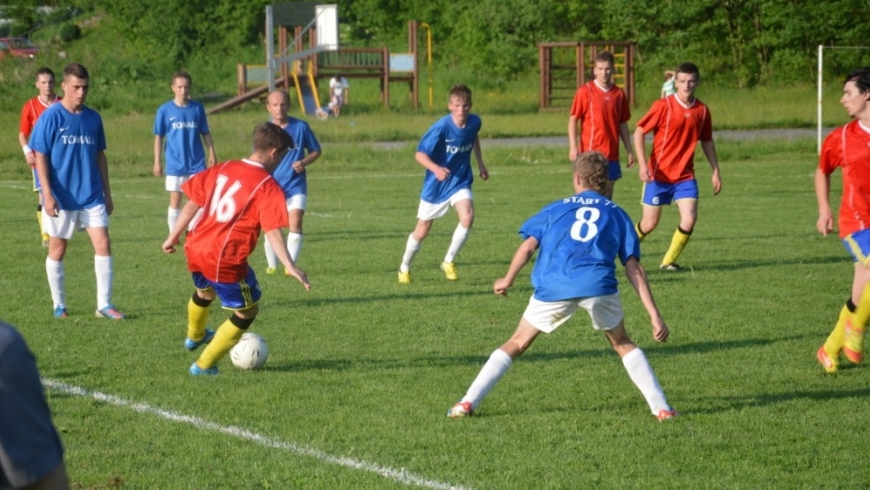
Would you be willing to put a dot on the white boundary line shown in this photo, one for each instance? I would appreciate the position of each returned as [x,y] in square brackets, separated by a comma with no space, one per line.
[398,475]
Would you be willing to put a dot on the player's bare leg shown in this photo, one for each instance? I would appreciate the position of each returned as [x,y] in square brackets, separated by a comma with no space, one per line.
[649,220]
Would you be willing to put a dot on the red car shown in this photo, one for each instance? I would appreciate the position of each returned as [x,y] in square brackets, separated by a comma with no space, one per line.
[18,47]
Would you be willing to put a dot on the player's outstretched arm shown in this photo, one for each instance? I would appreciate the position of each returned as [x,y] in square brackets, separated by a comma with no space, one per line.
[184,218]
[276,240]
[521,258]
[481,168]
[637,277]
[710,152]
[440,172]
[640,152]
[822,181]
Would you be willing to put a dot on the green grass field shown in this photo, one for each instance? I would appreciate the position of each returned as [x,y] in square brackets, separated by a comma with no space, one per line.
[362,369]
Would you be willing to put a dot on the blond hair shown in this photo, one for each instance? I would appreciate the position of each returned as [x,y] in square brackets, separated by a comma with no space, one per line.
[592,168]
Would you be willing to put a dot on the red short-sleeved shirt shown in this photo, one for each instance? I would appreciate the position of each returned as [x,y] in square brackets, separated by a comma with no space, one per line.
[600,113]
[238,199]
[848,147]
[677,128]
[31,111]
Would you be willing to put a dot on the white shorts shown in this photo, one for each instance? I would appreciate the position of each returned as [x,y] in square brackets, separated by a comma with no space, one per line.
[546,316]
[173,182]
[299,201]
[429,211]
[66,222]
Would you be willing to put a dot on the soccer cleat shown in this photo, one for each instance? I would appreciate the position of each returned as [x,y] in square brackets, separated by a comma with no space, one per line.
[829,364]
[667,414]
[673,266]
[195,370]
[460,410]
[192,345]
[60,312]
[110,312]
[270,271]
[853,342]
[449,269]
[405,277]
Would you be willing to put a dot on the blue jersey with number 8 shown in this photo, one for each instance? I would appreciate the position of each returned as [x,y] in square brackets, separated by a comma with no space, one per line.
[579,239]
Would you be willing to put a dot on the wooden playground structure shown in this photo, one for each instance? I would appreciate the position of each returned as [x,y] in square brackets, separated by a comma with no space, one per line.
[564,66]
[303,75]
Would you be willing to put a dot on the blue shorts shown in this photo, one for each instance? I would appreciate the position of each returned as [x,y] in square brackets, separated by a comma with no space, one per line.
[661,194]
[37,187]
[858,245]
[234,295]
[614,170]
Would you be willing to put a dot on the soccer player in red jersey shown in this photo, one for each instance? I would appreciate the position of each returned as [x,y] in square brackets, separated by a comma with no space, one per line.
[848,147]
[31,111]
[228,206]
[601,108]
[679,122]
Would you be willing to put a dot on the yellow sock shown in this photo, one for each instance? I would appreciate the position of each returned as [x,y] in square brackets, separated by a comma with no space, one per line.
[834,343]
[640,234]
[862,312]
[197,316]
[41,229]
[678,243]
[226,337]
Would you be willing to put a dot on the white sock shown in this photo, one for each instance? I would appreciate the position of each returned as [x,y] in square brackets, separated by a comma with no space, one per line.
[492,371]
[460,236]
[411,249]
[55,273]
[271,258]
[642,375]
[105,276]
[294,245]
[172,217]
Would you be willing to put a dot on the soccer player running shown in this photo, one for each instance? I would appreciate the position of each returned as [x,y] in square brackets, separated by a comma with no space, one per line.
[181,123]
[579,238]
[601,108]
[31,111]
[291,174]
[679,122]
[228,204]
[848,147]
[445,151]
[70,143]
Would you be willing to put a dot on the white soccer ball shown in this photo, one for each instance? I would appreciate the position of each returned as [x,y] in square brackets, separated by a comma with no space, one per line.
[251,352]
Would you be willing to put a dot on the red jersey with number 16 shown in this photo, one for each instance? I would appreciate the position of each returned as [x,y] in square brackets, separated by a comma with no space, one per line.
[237,199]
[678,128]
[848,147]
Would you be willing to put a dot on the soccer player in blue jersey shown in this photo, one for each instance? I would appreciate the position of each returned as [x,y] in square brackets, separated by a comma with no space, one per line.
[579,238]
[182,124]
[445,151]
[290,174]
[70,145]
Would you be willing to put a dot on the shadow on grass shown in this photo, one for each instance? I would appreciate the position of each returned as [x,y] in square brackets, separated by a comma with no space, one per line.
[731,403]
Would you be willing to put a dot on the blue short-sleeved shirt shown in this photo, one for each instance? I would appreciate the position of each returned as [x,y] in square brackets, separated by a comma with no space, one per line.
[181,127]
[292,182]
[451,147]
[71,142]
[580,238]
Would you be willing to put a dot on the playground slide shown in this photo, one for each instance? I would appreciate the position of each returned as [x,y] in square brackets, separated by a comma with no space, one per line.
[307,92]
